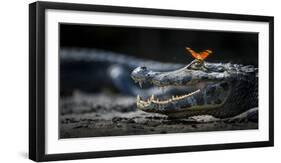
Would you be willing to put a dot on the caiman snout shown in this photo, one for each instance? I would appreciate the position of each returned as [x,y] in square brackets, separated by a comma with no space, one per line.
[193,73]
[161,79]
[142,74]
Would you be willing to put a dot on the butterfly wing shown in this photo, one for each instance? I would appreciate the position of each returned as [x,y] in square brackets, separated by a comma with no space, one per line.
[205,54]
[193,53]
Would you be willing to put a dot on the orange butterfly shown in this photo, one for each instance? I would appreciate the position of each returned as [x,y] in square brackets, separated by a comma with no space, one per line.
[201,55]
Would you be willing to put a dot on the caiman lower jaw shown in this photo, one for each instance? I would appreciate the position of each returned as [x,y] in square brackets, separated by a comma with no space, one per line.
[152,100]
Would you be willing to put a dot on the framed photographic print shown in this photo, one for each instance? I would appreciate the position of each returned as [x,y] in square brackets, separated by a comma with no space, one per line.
[118,81]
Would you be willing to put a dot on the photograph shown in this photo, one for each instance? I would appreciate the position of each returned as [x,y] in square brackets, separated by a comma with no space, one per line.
[117,80]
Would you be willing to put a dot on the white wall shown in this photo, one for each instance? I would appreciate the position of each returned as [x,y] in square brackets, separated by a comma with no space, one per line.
[14,79]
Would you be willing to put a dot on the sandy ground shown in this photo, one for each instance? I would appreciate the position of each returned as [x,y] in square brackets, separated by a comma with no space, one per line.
[83,115]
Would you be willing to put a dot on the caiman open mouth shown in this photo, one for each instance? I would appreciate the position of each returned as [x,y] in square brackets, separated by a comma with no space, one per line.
[211,96]
[182,90]
[142,103]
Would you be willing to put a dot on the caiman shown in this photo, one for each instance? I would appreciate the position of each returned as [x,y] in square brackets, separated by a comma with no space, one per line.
[221,90]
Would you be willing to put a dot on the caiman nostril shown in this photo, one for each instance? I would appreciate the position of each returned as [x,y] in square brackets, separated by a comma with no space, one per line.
[143,68]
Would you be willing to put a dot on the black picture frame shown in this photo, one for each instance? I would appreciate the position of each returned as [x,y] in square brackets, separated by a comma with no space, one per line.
[37,80]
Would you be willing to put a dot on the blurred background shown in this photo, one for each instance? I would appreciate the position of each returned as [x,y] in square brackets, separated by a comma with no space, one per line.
[92,74]
[166,45]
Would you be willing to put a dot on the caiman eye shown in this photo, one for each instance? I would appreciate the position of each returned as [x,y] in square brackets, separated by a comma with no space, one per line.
[196,65]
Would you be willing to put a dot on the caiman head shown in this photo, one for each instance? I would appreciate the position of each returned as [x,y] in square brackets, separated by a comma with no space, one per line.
[199,86]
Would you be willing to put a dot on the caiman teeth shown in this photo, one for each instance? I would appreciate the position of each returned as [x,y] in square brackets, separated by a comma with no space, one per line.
[141,102]
[138,98]
[140,83]
[152,97]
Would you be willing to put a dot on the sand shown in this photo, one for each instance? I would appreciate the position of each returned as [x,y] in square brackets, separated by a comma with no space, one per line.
[98,115]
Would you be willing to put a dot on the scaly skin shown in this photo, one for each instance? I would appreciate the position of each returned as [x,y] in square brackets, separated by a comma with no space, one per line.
[217,89]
